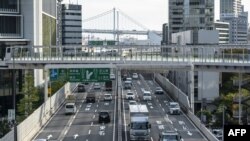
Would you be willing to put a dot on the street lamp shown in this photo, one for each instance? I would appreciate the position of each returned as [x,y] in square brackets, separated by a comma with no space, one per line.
[14,93]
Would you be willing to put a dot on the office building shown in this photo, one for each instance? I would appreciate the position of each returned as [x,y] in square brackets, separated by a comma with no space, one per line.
[71,24]
[223,28]
[190,15]
[23,23]
[232,11]
[164,40]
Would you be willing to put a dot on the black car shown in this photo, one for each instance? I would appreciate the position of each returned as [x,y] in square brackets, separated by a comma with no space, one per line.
[90,98]
[104,117]
[81,88]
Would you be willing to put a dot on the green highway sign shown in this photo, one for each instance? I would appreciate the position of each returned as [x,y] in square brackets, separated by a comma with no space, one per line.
[81,74]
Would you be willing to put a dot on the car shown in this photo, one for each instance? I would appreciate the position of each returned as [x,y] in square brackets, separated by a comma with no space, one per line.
[70,108]
[130,95]
[81,88]
[127,85]
[132,102]
[129,79]
[135,76]
[158,90]
[40,140]
[104,117]
[97,86]
[90,98]
[170,135]
[112,76]
[147,95]
[174,108]
[107,97]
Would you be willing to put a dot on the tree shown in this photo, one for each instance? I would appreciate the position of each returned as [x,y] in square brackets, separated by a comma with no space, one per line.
[30,96]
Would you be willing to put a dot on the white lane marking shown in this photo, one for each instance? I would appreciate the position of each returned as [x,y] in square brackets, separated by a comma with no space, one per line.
[97,105]
[75,136]
[160,104]
[102,127]
[151,107]
[106,103]
[95,111]
[149,104]
[101,133]
[87,109]
[161,127]
[49,136]
[181,122]
[80,106]
[152,139]
[92,123]
[189,133]
[163,110]
[167,119]
[65,132]
[88,106]
[93,116]
[89,131]
[158,122]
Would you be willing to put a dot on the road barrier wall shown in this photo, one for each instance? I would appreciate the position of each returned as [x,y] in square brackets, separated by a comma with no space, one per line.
[178,95]
[174,92]
[27,129]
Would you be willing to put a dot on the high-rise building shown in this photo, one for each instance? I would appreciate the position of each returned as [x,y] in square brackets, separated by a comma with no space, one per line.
[26,23]
[71,24]
[190,15]
[164,40]
[232,11]
[223,28]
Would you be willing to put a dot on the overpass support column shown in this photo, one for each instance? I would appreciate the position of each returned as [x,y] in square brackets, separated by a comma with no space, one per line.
[191,87]
[46,71]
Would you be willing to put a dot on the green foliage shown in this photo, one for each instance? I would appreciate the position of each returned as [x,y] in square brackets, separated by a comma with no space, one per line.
[56,85]
[4,128]
[207,114]
[30,97]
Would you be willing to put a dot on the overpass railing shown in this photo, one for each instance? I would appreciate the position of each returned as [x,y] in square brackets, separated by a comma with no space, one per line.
[206,54]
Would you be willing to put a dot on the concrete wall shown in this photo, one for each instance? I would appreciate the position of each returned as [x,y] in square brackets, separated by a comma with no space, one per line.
[208,86]
[208,36]
[182,38]
[27,129]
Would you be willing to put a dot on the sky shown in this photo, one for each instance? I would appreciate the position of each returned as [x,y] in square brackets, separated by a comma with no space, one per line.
[150,13]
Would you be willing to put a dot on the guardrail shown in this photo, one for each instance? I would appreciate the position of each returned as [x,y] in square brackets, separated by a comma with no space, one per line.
[178,95]
[27,129]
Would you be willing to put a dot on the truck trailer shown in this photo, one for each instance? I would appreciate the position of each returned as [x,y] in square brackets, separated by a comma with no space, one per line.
[139,122]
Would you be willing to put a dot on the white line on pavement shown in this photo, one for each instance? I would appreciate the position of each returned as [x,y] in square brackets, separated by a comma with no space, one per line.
[89,131]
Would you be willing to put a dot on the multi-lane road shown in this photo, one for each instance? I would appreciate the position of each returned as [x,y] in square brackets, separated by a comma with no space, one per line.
[84,125]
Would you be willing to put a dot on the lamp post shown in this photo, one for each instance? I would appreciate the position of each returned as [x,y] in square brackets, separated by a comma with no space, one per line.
[14,94]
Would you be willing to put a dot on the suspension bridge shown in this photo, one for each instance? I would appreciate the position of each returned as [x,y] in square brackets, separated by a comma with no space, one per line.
[117,23]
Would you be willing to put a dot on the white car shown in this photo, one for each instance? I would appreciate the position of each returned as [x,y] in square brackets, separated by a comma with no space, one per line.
[112,76]
[135,76]
[107,97]
[174,108]
[97,86]
[147,95]
[70,108]
[130,95]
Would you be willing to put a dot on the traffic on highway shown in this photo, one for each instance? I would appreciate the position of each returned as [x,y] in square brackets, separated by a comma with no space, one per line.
[90,113]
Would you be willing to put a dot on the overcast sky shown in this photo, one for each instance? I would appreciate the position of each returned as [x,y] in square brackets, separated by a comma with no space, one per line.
[150,13]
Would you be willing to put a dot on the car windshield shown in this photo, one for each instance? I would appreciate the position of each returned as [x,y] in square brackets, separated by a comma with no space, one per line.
[170,137]
[69,106]
[129,93]
[175,105]
[146,94]
[132,102]
[158,88]
[143,125]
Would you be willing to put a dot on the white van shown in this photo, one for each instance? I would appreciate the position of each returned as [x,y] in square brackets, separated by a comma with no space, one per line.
[70,108]
[147,95]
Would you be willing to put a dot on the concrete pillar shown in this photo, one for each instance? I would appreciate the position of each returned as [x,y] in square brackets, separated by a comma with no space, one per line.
[191,87]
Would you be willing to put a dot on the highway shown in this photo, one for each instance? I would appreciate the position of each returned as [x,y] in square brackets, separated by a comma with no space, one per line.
[84,124]
[158,115]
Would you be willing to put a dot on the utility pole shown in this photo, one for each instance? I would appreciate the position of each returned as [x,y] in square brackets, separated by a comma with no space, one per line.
[240,79]
[114,24]
[14,94]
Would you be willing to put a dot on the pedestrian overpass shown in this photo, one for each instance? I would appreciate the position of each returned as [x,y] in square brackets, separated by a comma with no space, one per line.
[226,58]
